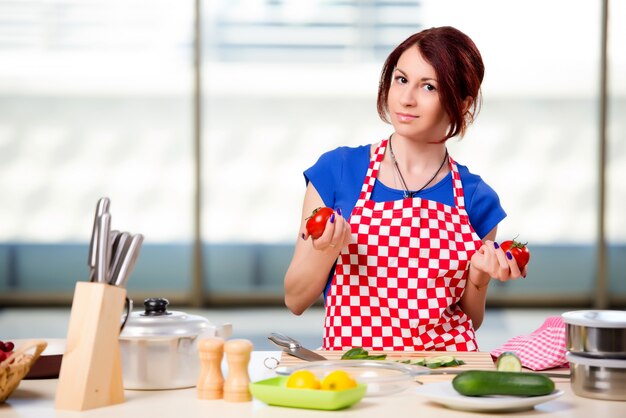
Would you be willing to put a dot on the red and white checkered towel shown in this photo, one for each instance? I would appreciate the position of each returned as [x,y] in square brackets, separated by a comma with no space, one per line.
[542,349]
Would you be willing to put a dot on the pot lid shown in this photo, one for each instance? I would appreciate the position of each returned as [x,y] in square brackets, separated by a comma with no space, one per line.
[596,318]
[157,322]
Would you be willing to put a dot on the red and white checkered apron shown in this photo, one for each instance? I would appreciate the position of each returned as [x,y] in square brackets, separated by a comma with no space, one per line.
[397,285]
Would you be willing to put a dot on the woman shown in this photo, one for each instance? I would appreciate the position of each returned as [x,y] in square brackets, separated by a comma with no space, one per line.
[396,274]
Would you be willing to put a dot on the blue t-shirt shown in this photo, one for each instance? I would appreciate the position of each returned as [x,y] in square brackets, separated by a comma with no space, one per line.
[338,176]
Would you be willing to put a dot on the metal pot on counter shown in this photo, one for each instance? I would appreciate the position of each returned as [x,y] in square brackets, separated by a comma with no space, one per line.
[596,344]
[159,347]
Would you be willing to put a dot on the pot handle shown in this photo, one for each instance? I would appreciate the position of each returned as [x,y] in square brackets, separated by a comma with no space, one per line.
[129,309]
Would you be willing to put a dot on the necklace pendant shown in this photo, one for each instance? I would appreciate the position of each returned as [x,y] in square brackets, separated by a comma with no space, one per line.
[407,193]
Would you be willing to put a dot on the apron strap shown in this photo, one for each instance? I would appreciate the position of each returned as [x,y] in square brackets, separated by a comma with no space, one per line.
[457,186]
[372,171]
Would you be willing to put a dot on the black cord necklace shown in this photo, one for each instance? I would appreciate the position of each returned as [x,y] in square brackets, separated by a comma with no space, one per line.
[407,193]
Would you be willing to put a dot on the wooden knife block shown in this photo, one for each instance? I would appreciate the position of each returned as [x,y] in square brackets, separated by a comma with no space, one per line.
[91,370]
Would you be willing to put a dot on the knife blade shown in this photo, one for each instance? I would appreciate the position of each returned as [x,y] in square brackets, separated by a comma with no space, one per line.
[114,235]
[102,207]
[294,348]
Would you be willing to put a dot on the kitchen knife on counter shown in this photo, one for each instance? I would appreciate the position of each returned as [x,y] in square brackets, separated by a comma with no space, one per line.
[293,347]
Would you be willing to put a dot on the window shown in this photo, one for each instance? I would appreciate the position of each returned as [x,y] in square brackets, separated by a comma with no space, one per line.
[96,99]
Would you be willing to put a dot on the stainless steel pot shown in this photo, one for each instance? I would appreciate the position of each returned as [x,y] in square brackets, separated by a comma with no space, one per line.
[598,378]
[596,333]
[159,347]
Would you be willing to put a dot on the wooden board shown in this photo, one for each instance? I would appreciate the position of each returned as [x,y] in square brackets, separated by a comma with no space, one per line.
[474,360]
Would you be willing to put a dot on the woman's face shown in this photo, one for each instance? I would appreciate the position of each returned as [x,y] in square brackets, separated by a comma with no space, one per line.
[413,101]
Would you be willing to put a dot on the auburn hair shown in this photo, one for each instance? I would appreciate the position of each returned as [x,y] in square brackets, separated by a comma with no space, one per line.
[459,68]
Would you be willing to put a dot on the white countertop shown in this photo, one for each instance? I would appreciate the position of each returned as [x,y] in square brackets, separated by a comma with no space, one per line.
[35,399]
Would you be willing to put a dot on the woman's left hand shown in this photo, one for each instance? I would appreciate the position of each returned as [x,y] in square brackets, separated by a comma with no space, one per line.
[492,260]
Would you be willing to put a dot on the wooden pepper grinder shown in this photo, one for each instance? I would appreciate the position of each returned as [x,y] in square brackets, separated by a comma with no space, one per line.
[238,357]
[211,381]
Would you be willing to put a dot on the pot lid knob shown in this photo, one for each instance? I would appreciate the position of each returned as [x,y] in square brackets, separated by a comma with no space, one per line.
[156,306]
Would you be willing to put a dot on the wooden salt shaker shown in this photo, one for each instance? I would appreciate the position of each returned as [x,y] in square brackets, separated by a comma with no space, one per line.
[211,381]
[238,357]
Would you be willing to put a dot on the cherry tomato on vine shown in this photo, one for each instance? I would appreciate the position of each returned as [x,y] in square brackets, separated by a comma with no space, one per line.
[5,349]
[316,223]
[518,250]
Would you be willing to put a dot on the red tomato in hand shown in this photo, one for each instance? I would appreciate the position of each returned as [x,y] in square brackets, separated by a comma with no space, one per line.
[316,223]
[518,250]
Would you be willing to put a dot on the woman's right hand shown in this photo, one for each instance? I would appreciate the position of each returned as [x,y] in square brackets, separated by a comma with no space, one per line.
[313,259]
[337,234]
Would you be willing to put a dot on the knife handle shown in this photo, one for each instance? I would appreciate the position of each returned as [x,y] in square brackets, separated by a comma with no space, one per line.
[102,248]
[120,247]
[129,260]
[283,340]
[102,207]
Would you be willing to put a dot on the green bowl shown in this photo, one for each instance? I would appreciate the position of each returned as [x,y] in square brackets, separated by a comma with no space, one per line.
[274,392]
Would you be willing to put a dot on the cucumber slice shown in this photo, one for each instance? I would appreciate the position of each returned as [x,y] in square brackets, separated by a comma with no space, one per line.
[508,362]
[433,365]
[433,362]
[447,361]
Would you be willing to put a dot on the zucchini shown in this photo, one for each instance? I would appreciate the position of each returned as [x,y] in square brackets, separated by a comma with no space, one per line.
[485,383]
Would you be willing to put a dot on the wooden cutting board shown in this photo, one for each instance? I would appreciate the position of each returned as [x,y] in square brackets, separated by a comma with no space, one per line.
[474,360]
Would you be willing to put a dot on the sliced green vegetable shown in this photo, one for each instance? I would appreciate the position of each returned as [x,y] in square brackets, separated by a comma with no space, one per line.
[435,362]
[446,359]
[358,353]
[377,357]
[453,363]
[508,362]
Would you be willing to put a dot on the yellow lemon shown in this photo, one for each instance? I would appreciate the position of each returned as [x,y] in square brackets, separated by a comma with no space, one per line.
[338,380]
[303,379]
